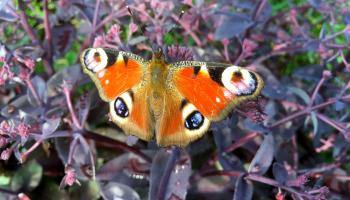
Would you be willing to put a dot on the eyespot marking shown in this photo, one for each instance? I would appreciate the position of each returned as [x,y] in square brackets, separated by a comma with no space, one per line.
[95,59]
[194,121]
[239,81]
[120,107]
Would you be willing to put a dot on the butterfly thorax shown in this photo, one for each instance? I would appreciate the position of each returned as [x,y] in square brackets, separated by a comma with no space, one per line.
[158,74]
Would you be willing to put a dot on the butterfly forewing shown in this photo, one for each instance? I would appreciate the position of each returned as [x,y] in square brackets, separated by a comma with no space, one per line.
[113,72]
[215,88]
[119,78]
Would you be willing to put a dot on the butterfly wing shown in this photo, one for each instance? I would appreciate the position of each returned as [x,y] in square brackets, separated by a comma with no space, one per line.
[203,92]
[119,77]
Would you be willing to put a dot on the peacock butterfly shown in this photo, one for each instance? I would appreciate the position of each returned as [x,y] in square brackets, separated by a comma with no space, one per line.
[176,101]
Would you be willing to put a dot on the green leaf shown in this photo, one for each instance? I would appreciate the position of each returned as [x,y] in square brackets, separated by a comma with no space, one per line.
[168,39]
[4,180]
[27,177]
[88,190]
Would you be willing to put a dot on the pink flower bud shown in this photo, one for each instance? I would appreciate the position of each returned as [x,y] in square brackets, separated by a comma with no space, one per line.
[225,41]
[99,41]
[23,130]
[70,177]
[133,28]
[5,155]
[29,63]
[4,127]
[3,141]
[326,74]
[23,196]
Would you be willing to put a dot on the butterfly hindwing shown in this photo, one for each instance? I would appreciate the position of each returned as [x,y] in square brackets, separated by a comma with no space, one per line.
[180,122]
[119,78]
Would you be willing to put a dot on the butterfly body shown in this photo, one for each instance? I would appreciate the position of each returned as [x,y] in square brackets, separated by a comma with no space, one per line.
[173,102]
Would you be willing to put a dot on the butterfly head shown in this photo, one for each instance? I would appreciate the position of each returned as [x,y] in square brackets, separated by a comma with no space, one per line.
[158,56]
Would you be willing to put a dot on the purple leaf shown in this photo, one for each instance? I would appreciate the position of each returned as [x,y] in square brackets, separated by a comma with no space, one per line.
[70,74]
[62,148]
[316,3]
[346,17]
[76,153]
[280,173]
[5,13]
[232,25]
[14,108]
[63,37]
[28,52]
[177,181]
[40,89]
[243,189]
[339,105]
[323,32]
[250,125]
[83,107]
[127,168]
[275,91]
[300,93]
[263,157]
[113,190]
[309,73]
[311,45]
[50,126]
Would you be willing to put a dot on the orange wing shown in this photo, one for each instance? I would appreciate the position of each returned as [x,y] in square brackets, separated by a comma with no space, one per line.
[202,93]
[214,90]
[113,72]
[119,78]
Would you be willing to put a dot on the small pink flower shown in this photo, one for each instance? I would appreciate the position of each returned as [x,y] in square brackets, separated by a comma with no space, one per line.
[210,37]
[327,74]
[3,141]
[225,41]
[347,29]
[133,28]
[249,46]
[23,196]
[23,74]
[23,130]
[29,63]
[2,59]
[5,74]
[99,41]
[5,155]
[113,33]
[4,127]
[70,178]
[322,50]
[298,182]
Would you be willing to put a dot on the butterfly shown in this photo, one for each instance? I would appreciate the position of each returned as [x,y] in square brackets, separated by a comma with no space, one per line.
[174,102]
